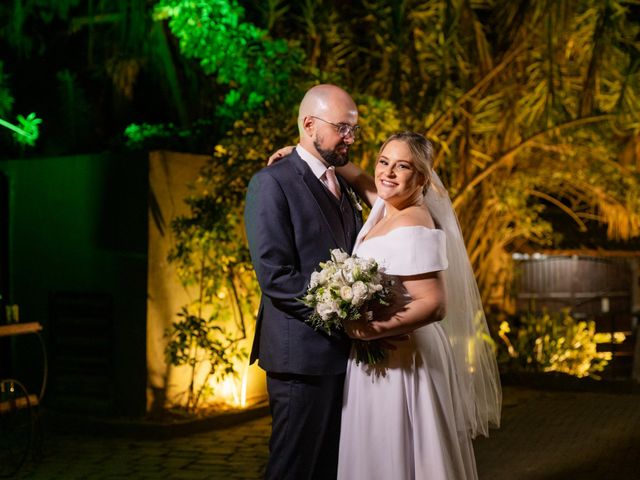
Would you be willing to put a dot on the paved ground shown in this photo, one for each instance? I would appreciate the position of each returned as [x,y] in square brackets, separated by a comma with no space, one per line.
[545,435]
[562,435]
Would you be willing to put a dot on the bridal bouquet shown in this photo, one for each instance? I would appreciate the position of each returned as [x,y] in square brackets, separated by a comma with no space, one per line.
[341,291]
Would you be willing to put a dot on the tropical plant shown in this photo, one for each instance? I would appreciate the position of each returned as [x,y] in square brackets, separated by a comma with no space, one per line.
[549,342]
[237,52]
[530,105]
[124,65]
[25,129]
[211,254]
[197,341]
[19,13]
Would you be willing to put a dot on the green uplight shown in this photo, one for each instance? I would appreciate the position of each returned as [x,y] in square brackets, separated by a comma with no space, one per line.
[27,132]
[238,53]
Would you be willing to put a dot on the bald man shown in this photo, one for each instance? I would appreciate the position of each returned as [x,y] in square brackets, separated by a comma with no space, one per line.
[297,210]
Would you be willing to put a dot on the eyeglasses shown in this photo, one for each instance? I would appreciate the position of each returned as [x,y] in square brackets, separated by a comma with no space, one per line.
[343,129]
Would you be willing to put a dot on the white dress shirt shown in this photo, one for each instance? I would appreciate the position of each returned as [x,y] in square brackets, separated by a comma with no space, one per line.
[316,165]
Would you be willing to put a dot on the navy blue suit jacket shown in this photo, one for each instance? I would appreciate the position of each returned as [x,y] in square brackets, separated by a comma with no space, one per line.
[292,224]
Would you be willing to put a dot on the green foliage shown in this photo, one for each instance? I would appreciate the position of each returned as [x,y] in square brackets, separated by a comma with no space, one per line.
[210,250]
[199,342]
[26,129]
[271,11]
[552,343]
[256,68]
[378,119]
[29,129]
[138,134]
[168,136]
[14,16]
[6,99]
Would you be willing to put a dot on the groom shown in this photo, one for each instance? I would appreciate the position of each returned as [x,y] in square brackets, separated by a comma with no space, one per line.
[296,211]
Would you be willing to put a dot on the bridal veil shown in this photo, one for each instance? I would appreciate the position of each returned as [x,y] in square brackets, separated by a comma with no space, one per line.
[465,322]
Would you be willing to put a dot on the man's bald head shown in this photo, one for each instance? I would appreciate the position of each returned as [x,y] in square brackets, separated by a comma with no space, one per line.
[322,100]
[323,110]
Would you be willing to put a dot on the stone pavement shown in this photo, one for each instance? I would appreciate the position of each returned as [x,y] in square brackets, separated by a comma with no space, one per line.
[544,435]
[563,435]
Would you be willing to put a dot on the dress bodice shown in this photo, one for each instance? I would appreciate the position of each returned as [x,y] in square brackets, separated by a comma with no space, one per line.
[408,250]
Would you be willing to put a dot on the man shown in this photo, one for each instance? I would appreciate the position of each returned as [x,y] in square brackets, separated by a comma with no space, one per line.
[297,210]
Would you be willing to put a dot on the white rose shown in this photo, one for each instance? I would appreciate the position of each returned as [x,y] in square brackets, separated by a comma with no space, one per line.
[315,280]
[346,293]
[338,255]
[335,308]
[325,296]
[324,310]
[337,279]
[371,265]
[359,292]
[322,277]
[353,269]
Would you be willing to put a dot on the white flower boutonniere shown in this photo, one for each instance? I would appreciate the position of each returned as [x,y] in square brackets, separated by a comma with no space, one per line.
[355,201]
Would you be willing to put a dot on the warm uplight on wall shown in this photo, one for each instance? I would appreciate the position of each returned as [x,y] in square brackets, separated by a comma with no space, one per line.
[226,391]
[232,391]
[243,391]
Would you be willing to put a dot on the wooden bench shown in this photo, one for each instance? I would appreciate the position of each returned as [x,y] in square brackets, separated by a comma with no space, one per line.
[30,400]
[19,329]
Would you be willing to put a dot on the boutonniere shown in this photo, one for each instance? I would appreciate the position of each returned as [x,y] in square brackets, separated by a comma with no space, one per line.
[355,201]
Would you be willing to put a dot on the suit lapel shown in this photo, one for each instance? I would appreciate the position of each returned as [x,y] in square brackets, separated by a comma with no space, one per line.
[351,198]
[328,212]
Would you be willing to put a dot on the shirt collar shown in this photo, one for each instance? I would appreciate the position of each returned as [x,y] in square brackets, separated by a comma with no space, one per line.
[317,167]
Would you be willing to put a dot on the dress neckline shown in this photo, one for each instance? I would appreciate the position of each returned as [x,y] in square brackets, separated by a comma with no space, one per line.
[364,240]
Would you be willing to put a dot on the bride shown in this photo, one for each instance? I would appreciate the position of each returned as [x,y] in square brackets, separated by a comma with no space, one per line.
[413,416]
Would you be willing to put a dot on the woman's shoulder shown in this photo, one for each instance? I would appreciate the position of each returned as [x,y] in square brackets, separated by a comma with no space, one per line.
[409,250]
[415,216]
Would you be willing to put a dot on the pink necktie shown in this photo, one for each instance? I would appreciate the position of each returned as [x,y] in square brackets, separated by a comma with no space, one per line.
[332,181]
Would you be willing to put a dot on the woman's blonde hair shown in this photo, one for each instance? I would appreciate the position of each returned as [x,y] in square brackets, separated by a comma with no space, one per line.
[421,151]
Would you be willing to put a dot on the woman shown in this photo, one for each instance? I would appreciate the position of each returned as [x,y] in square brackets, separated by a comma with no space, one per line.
[413,417]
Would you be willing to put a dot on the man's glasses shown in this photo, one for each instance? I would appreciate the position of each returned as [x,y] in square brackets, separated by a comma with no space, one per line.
[343,129]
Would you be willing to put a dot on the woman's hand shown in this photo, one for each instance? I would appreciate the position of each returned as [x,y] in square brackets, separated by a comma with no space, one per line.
[427,305]
[365,330]
[359,329]
[283,152]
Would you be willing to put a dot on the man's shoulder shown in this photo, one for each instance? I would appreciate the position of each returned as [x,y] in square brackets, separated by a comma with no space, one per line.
[283,168]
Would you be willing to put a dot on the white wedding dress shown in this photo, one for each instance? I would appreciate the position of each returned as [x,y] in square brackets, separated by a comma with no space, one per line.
[405,421]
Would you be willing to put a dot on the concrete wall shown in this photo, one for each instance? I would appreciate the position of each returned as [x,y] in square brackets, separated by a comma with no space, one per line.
[78,224]
[98,225]
[169,177]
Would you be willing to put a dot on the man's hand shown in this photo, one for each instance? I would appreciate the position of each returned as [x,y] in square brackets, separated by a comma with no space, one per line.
[283,152]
